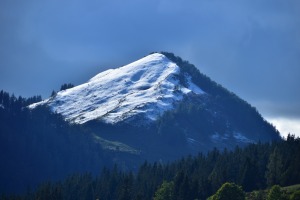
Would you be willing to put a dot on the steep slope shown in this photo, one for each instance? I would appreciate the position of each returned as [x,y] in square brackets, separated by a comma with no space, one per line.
[230,116]
[145,88]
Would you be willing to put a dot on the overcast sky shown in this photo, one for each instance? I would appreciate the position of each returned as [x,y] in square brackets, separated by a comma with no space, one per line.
[251,47]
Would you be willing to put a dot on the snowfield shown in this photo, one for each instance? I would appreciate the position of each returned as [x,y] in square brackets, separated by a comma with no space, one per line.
[145,88]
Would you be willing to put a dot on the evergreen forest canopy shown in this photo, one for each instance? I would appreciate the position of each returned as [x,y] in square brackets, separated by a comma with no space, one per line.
[38,145]
[254,167]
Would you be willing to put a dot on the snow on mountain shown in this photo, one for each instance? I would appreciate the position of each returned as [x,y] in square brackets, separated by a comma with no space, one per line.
[147,87]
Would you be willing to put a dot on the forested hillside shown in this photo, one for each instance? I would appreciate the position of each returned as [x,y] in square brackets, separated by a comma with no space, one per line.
[255,167]
[37,145]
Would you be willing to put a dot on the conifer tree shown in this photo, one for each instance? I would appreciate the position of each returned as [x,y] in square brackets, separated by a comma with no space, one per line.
[165,191]
[229,191]
[274,168]
[276,193]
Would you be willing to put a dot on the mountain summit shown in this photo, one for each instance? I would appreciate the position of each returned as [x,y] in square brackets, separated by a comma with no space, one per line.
[160,101]
[145,88]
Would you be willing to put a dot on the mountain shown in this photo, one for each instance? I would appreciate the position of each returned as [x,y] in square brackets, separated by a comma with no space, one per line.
[145,88]
[158,109]
[159,102]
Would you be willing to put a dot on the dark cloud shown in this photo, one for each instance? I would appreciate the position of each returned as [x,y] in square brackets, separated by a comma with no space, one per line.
[251,47]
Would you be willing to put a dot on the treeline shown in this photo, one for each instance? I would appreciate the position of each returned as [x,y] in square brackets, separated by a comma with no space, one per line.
[62,87]
[11,102]
[255,167]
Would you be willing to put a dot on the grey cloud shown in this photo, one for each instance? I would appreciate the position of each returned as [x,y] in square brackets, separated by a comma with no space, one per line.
[251,47]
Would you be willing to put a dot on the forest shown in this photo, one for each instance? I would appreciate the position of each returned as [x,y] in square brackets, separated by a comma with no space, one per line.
[254,167]
[39,145]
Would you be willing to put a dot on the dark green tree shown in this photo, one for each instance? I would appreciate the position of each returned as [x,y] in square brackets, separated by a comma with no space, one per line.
[229,191]
[295,196]
[126,188]
[66,86]
[165,191]
[53,93]
[276,193]
[274,172]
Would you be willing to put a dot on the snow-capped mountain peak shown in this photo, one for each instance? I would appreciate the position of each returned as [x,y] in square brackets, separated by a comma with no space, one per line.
[146,88]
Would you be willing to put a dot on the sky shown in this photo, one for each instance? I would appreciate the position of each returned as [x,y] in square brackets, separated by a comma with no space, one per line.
[251,47]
